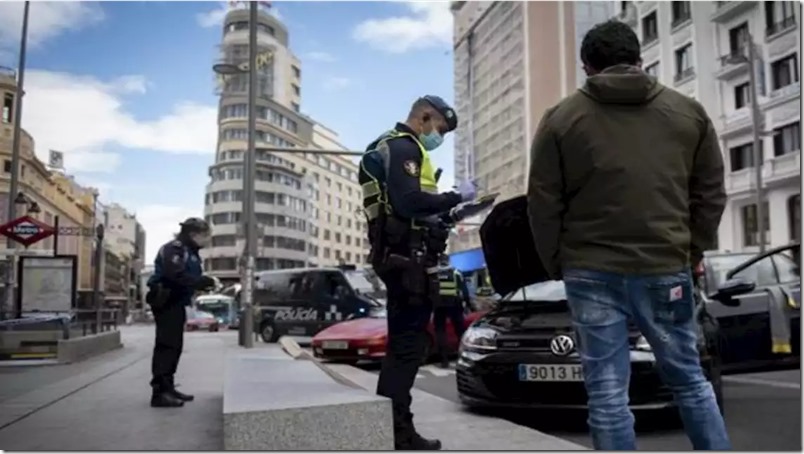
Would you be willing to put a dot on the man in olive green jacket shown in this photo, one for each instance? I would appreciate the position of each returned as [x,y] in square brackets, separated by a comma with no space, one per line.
[625,193]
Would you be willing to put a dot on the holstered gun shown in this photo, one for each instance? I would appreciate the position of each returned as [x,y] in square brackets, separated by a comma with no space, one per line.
[157,297]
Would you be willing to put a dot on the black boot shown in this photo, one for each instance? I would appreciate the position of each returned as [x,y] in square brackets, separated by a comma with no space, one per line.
[181,396]
[165,399]
[171,386]
[418,443]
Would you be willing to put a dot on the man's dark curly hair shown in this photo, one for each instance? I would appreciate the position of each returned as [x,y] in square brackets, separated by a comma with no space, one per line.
[608,44]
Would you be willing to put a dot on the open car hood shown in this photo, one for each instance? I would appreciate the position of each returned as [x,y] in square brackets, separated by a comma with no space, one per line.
[508,247]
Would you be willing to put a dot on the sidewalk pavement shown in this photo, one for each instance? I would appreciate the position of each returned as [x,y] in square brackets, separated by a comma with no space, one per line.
[102,404]
[107,406]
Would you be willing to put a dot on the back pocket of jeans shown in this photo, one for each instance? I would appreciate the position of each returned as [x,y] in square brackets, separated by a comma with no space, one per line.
[672,301]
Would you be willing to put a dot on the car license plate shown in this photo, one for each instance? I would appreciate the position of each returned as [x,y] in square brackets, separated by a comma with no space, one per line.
[335,345]
[550,372]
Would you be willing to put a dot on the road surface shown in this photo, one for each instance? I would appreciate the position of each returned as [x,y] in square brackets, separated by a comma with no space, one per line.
[763,413]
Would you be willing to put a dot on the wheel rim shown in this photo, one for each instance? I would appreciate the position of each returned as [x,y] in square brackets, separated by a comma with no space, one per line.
[268,332]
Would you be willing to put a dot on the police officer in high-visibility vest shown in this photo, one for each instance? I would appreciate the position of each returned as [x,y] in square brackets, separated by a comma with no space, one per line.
[178,274]
[407,234]
[453,299]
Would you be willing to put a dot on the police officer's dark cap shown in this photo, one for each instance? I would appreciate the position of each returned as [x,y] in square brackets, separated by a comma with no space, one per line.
[444,109]
[194,225]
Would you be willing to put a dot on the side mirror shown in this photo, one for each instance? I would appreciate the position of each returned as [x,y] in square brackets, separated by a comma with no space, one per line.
[733,287]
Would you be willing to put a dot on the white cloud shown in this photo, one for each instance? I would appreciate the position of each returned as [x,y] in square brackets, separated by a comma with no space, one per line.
[47,20]
[324,57]
[161,222]
[83,116]
[429,24]
[214,17]
[336,83]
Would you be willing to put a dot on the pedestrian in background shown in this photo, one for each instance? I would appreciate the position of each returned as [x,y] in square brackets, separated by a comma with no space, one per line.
[625,194]
[178,274]
[453,299]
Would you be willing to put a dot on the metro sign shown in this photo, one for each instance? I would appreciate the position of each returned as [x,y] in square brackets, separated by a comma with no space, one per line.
[26,230]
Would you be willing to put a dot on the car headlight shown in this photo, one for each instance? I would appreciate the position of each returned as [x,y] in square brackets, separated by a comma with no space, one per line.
[480,338]
[643,345]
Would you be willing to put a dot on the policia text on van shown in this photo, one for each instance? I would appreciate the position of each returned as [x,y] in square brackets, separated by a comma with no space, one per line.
[407,235]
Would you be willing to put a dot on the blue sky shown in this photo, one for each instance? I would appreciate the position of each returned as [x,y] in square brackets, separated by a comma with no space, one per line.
[125,89]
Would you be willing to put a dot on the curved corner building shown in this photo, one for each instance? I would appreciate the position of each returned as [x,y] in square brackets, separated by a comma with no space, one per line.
[283,204]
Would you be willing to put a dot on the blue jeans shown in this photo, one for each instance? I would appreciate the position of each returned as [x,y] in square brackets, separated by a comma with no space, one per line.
[663,308]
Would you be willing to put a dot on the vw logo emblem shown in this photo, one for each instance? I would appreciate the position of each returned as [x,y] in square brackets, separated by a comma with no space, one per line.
[562,345]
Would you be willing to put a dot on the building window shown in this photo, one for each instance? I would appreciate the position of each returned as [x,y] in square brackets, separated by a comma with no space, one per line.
[779,16]
[650,30]
[681,12]
[742,95]
[8,107]
[787,139]
[750,230]
[738,37]
[295,106]
[296,90]
[223,240]
[653,69]
[7,166]
[794,216]
[785,71]
[296,72]
[223,264]
[742,156]
[684,66]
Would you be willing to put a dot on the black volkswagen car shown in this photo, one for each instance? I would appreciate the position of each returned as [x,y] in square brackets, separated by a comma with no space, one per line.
[522,354]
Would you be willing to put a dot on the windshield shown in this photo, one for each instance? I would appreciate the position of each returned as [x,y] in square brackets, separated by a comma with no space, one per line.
[359,282]
[717,266]
[378,312]
[543,291]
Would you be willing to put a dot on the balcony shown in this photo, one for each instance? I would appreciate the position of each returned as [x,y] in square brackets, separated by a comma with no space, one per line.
[782,167]
[685,75]
[726,11]
[737,122]
[732,65]
[783,95]
[788,23]
[628,15]
[740,181]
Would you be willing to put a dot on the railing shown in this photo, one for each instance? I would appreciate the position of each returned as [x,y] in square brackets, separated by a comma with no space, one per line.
[686,73]
[778,27]
[787,90]
[648,40]
[68,322]
[735,57]
[680,19]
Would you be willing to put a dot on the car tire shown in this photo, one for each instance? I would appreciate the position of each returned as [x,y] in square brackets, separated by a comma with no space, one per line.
[268,332]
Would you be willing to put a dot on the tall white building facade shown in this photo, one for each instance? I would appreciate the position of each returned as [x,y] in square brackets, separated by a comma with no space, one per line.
[513,61]
[286,187]
[697,48]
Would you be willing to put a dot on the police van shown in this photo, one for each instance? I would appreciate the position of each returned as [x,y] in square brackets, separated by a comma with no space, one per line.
[304,301]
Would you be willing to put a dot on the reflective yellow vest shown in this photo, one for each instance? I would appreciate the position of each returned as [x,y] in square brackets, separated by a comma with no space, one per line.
[375,197]
[448,283]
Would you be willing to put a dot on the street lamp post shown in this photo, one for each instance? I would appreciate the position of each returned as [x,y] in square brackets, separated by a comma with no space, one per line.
[756,121]
[15,158]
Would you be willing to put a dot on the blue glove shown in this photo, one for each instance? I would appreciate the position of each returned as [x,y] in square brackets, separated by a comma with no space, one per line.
[467,190]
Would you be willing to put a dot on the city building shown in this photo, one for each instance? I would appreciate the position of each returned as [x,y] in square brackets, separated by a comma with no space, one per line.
[287,211]
[55,194]
[339,233]
[521,58]
[699,49]
[125,240]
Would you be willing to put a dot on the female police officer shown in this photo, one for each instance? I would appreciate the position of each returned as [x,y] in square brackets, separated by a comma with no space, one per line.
[178,273]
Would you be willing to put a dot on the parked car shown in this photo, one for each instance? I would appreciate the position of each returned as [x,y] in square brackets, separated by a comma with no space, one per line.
[365,338]
[745,323]
[304,301]
[200,320]
[522,355]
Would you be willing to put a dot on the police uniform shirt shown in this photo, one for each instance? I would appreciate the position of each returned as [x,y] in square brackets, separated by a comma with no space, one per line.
[405,193]
[178,267]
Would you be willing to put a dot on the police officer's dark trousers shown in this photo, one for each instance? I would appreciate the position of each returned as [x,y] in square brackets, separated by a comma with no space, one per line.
[168,346]
[452,311]
[408,316]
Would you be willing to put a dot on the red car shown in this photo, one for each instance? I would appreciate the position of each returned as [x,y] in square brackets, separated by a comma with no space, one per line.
[200,320]
[364,339]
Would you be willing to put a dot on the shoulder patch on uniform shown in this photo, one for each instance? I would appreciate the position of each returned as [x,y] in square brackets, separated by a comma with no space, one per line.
[412,168]
[176,243]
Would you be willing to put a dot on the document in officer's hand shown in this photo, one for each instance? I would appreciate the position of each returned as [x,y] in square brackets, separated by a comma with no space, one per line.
[469,209]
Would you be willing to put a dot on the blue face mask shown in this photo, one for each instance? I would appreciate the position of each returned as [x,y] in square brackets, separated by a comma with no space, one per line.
[431,141]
